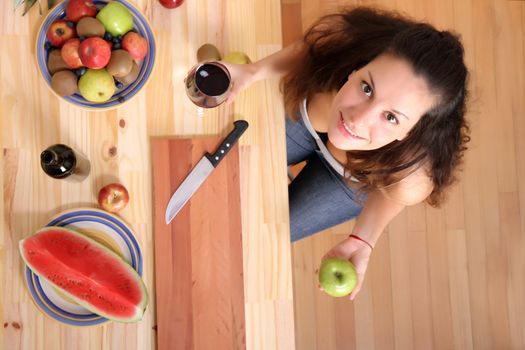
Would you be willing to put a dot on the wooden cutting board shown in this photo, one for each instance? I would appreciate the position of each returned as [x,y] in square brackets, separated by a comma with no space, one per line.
[198,256]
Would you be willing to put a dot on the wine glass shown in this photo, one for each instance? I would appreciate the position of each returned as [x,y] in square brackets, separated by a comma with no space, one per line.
[208,84]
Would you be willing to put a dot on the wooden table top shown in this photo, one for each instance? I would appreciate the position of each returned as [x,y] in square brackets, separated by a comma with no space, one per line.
[117,142]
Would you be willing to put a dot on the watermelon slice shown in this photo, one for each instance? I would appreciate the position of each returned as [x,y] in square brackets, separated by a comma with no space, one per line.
[87,272]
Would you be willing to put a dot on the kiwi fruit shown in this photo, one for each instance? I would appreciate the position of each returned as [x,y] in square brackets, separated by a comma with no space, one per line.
[208,52]
[131,77]
[120,63]
[89,26]
[64,83]
[55,62]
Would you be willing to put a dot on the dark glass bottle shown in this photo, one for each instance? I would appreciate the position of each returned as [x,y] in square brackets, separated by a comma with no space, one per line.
[62,162]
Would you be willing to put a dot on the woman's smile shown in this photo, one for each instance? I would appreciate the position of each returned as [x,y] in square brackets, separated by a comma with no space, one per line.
[347,131]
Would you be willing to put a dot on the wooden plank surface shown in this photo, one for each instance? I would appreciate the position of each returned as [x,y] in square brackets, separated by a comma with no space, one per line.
[117,142]
[198,256]
[448,278]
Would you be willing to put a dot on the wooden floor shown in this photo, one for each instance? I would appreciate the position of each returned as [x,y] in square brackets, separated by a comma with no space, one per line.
[449,278]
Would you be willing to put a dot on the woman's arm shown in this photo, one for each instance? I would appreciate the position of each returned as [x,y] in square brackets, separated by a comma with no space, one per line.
[275,65]
[278,63]
[384,204]
[380,208]
[377,212]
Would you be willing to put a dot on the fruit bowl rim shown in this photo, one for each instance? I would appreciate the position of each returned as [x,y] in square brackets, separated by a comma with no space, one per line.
[132,89]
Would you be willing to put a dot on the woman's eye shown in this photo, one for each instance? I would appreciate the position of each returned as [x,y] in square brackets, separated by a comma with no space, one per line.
[391,118]
[366,88]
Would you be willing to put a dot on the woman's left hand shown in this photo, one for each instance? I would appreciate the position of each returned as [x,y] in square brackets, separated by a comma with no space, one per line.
[242,76]
[358,253]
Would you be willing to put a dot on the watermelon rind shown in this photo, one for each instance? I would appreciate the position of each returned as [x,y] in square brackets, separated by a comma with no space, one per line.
[140,308]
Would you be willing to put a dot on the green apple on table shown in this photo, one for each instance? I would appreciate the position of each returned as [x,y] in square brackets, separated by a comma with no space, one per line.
[116,18]
[337,277]
[96,85]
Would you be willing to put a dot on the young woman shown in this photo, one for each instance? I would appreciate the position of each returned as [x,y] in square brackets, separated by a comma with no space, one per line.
[376,108]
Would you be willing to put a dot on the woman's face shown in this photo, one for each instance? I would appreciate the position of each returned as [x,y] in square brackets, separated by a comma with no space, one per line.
[378,104]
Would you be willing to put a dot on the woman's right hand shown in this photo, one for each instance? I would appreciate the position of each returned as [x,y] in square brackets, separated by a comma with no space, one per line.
[275,65]
[242,76]
[358,253]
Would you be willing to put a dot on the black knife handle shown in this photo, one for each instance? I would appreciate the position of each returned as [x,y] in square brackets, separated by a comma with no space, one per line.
[239,127]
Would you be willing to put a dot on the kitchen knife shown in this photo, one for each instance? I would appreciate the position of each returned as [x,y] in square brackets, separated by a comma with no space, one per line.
[202,170]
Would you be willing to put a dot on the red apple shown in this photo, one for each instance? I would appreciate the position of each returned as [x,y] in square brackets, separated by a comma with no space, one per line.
[136,45]
[59,32]
[95,52]
[171,4]
[69,53]
[113,197]
[76,9]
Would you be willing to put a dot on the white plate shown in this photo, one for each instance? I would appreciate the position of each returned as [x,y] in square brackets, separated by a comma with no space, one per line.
[107,229]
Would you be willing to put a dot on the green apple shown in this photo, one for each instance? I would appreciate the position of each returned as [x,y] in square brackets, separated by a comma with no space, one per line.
[337,277]
[236,57]
[116,18]
[96,85]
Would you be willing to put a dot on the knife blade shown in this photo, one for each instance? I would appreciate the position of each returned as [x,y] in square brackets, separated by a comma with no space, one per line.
[202,170]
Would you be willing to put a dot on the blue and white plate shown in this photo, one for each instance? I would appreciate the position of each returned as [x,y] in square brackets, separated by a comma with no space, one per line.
[142,27]
[107,229]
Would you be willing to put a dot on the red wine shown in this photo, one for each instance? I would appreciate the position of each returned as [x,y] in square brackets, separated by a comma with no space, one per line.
[60,161]
[212,80]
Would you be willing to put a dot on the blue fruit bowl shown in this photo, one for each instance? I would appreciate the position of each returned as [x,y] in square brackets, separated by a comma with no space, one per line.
[122,93]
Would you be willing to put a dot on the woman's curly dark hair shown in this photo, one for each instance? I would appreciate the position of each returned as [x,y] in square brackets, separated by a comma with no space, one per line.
[338,44]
